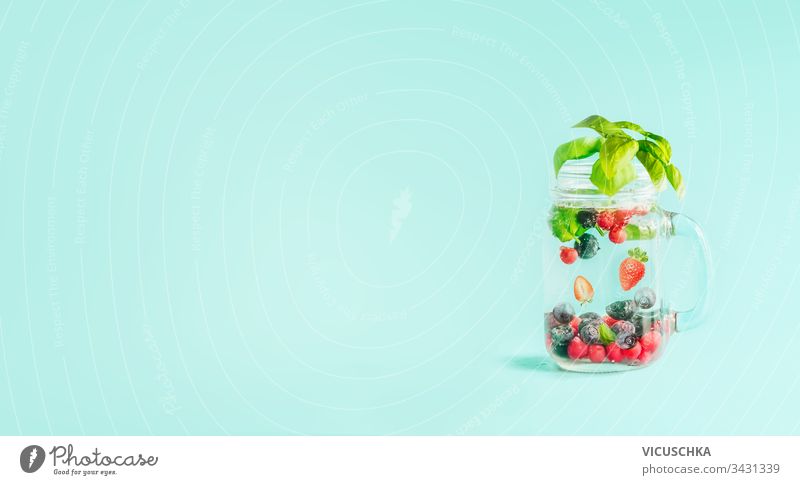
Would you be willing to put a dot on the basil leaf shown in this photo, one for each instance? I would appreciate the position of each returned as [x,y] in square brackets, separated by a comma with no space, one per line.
[607,335]
[610,183]
[575,150]
[600,125]
[675,179]
[651,162]
[630,126]
[564,224]
[637,233]
[613,170]
[662,143]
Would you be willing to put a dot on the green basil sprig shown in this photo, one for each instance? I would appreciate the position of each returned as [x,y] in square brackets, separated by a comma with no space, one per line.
[616,148]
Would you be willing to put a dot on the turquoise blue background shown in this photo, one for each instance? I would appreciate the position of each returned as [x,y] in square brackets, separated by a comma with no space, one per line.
[325,217]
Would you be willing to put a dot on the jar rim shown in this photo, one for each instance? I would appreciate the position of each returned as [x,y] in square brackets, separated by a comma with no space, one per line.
[573,188]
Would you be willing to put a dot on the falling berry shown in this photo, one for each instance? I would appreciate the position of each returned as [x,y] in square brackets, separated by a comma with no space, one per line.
[645,298]
[583,290]
[618,235]
[568,255]
[605,220]
[631,270]
[622,216]
[587,246]
[587,218]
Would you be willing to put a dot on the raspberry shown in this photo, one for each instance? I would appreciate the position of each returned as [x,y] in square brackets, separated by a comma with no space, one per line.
[618,235]
[597,353]
[633,352]
[614,353]
[605,220]
[577,349]
[650,341]
[609,321]
[574,324]
[568,255]
[645,357]
[622,216]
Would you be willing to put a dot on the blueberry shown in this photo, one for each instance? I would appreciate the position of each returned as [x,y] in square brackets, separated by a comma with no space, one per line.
[587,246]
[587,218]
[645,298]
[621,310]
[624,327]
[564,312]
[589,318]
[626,340]
[590,333]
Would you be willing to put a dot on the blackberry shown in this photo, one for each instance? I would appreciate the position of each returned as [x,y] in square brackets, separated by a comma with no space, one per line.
[560,349]
[587,246]
[561,334]
[587,218]
[621,310]
[644,321]
[564,312]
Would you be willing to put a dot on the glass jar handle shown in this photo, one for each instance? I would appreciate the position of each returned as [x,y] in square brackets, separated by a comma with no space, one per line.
[683,226]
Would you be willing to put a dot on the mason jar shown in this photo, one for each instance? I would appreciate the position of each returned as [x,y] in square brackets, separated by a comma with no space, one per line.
[607,305]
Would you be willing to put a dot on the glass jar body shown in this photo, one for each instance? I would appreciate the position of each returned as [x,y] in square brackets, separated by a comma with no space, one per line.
[605,306]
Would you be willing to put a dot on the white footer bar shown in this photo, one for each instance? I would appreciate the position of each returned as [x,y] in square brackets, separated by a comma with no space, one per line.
[436,460]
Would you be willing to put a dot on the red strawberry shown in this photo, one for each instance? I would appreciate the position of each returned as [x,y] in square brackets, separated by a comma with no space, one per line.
[577,349]
[622,216]
[614,353]
[597,353]
[583,290]
[568,255]
[631,270]
[650,341]
[605,220]
[618,235]
[633,352]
